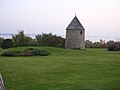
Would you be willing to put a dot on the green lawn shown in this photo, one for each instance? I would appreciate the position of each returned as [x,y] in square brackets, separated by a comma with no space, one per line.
[90,69]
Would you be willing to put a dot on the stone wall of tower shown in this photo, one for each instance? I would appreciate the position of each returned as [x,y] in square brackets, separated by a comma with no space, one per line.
[75,39]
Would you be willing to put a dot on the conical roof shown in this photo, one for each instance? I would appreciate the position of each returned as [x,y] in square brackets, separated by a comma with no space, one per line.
[75,25]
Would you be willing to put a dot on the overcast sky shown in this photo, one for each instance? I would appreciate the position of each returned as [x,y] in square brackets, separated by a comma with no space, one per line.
[100,18]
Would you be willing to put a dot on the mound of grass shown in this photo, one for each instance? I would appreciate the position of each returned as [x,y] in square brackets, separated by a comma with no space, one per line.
[27,52]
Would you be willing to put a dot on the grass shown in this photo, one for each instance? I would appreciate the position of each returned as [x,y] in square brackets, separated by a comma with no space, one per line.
[90,69]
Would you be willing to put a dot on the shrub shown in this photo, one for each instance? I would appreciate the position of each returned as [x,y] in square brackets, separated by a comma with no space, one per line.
[113,47]
[11,53]
[50,40]
[37,52]
[7,43]
[27,52]
[43,53]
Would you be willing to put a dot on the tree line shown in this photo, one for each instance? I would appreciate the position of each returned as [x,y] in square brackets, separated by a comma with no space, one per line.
[43,39]
[110,45]
[49,39]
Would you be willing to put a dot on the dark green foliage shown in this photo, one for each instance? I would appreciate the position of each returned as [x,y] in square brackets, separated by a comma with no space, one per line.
[35,52]
[7,43]
[41,39]
[88,44]
[27,52]
[11,53]
[50,40]
[22,40]
[100,44]
[113,47]
[1,40]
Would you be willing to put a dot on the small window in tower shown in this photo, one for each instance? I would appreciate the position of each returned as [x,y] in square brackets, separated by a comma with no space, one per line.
[76,25]
[80,32]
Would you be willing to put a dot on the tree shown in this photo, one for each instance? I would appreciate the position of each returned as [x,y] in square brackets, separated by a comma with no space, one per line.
[50,40]
[21,39]
[39,39]
[88,44]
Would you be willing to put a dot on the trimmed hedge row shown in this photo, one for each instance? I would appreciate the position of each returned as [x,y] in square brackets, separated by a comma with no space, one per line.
[27,52]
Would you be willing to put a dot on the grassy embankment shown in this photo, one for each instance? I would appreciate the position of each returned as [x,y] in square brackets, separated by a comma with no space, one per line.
[90,69]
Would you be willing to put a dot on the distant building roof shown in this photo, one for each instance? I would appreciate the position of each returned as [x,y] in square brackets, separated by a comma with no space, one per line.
[75,25]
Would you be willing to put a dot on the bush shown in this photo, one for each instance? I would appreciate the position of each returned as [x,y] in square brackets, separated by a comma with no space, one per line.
[50,40]
[27,52]
[31,52]
[113,47]
[43,53]
[11,53]
[7,43]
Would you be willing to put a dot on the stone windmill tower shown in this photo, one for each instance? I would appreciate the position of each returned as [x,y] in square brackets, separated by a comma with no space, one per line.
[75,35]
